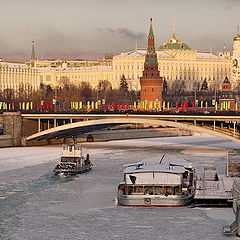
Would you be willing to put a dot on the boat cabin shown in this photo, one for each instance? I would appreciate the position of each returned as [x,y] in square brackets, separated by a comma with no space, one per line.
[161,179]
[71,153]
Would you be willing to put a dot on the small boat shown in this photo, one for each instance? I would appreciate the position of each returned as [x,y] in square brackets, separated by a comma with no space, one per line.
[168,184]
[72,161]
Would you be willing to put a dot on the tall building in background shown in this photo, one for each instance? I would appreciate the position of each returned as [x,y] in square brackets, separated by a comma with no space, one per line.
[236,59]
[151,82]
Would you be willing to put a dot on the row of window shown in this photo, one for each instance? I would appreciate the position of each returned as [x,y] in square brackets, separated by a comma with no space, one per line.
[176,68]
[87,77]
[18,70]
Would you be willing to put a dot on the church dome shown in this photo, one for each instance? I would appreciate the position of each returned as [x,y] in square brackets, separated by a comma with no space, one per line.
[237,38]
[175,43]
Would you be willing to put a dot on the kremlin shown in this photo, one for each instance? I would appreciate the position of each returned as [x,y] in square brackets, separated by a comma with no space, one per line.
[171,61]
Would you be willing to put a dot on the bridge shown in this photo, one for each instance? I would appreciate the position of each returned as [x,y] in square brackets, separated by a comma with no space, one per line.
[38,126]
[72,125]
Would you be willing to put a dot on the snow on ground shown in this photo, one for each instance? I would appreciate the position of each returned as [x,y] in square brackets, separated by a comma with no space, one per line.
[19,157]
[34,204]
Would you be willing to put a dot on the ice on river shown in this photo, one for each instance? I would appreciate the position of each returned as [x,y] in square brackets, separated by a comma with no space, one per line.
[35,204]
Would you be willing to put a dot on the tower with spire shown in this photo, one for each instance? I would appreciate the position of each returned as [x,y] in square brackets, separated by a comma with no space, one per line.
[151,82]
[33,55]
[236,59]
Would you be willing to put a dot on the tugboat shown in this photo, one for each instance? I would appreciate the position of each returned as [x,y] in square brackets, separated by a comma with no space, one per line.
[72,161]
[168,184]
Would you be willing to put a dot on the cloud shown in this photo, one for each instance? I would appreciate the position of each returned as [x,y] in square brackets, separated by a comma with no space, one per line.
[123,32]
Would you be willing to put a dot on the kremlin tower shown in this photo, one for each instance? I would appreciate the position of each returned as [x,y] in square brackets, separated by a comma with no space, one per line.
[151,82]
[33,56]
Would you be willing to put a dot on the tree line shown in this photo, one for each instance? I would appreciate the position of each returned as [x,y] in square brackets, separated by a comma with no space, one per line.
[67,92]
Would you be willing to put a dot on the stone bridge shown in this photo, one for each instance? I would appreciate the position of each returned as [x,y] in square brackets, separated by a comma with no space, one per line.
[213,125]
[55,126]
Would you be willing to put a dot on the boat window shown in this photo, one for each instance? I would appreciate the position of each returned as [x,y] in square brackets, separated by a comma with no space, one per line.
[139,189]
[176,190]
[64,159]
[129,190]
[159,190]
[77,159]
[70,148]
[148,190]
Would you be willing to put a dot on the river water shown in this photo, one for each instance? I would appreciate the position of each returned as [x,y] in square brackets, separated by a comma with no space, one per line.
[35,204]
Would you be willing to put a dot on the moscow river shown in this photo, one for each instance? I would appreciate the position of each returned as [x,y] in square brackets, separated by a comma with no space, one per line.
[35,204]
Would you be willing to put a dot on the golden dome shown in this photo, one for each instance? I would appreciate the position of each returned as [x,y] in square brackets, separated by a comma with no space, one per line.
[237,38]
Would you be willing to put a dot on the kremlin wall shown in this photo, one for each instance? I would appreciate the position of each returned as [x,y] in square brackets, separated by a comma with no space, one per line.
[175,59]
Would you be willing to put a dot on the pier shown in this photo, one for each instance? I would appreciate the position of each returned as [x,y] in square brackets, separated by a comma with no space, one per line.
[212,188]
[234,228]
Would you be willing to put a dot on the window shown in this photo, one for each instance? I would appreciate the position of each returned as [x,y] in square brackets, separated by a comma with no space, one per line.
[48,78]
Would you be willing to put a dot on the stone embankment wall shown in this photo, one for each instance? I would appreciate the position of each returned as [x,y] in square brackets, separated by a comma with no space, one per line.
[12,129]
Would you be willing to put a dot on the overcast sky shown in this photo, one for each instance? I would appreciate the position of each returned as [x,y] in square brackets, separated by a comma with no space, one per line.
[90,28]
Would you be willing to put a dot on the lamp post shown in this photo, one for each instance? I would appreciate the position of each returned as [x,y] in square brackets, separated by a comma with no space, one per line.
[215,97]
[55,99]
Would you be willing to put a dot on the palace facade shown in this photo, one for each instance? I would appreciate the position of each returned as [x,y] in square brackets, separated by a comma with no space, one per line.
[176,61]
[13,75]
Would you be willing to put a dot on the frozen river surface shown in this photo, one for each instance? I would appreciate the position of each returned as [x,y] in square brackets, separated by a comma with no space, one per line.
[35,204]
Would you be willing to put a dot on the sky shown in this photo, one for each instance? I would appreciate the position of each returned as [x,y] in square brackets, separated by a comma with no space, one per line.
[88,29]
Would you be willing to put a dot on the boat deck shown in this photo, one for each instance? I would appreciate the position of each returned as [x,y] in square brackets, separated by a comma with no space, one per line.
[213,192]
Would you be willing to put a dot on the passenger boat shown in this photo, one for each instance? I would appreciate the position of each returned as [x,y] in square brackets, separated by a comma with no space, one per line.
[72,161]
[168,184]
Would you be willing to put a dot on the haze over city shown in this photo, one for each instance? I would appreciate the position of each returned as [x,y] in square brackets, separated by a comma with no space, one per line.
[89,29]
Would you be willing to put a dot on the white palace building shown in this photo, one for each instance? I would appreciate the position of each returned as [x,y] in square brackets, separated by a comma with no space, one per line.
[177,61]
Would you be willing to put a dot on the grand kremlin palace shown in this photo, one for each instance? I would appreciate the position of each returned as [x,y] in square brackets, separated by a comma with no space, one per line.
[177,61]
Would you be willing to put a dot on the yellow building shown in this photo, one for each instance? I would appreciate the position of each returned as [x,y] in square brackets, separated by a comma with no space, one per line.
[176,62]
[14,75]
[59,63]
[57,77]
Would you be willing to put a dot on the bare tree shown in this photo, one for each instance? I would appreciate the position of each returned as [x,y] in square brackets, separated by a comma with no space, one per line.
[104,87]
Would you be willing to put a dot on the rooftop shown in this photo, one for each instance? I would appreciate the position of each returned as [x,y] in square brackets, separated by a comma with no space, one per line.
[160,168]
[153,165]
[207,55]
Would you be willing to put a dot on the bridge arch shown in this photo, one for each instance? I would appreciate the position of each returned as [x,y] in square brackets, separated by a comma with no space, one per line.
[77,128]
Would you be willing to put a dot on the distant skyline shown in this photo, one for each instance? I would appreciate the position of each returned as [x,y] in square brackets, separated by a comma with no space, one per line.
[89,29]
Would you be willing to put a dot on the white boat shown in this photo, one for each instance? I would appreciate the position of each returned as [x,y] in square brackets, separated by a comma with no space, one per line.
[72,161]
[168,184]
